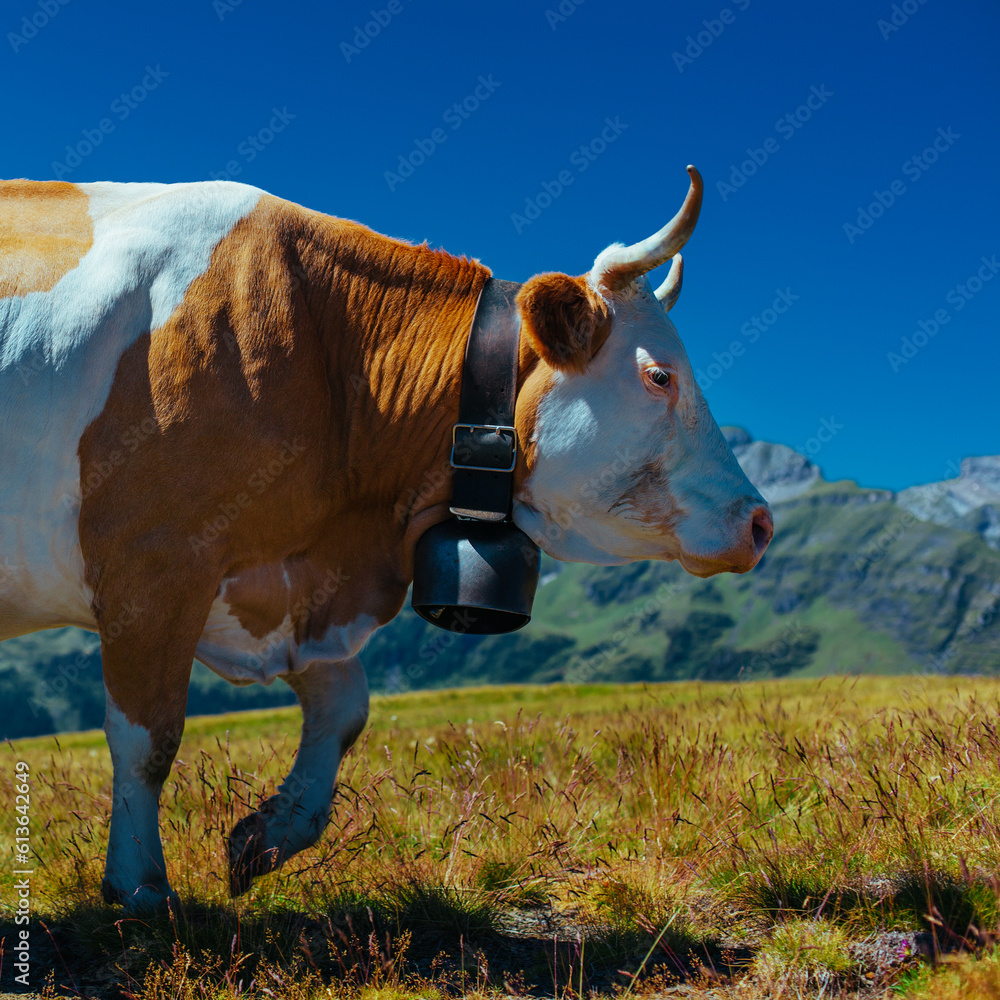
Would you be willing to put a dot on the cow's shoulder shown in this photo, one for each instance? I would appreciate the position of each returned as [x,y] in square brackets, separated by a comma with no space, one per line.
[167,226]
[193,201]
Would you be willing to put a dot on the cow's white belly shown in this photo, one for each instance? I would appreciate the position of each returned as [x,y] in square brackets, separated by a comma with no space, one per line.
[59,351]
[242,658]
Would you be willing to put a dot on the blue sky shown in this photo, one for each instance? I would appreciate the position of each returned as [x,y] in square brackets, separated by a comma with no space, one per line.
[328,105]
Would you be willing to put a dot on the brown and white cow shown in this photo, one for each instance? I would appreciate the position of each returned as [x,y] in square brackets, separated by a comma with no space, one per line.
[224,421]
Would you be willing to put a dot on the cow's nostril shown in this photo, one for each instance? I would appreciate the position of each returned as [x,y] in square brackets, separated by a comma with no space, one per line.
[762,529]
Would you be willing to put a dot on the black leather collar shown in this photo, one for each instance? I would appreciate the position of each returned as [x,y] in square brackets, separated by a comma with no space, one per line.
[484,442]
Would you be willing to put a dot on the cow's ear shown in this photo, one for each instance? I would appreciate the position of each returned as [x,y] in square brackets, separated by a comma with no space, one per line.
[565,320]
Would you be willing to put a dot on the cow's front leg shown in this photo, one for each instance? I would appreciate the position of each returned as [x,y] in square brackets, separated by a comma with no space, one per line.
[147,664]
[135,873]
[334,699]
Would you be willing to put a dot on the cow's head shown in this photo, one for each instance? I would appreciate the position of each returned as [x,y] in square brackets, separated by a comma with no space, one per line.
[622,458]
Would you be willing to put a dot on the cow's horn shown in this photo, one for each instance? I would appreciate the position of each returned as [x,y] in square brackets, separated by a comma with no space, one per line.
[618,267]
[667,292]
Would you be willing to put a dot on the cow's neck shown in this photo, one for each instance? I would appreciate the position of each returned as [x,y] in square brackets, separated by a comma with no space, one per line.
[393,320]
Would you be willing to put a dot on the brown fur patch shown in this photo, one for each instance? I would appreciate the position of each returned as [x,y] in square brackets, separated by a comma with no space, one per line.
[302,397]
[45,229]
[565,319]
[536,382]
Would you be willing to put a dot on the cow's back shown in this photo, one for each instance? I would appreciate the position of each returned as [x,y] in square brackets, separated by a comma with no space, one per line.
[85,271]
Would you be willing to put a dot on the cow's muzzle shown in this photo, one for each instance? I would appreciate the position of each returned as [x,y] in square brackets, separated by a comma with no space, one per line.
[742,555]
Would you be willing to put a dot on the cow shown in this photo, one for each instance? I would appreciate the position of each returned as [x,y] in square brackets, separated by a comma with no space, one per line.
[225,420]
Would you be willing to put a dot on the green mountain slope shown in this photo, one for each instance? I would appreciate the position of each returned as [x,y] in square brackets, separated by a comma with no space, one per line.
[854,581]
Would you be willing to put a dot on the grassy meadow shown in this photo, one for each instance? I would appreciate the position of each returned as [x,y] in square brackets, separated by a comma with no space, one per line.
[814,838]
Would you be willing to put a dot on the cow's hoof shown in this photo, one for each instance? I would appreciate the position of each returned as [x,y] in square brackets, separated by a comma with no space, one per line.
[249,855]
[147,900]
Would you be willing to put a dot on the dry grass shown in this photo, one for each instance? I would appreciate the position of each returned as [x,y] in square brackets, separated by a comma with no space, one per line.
[795,838]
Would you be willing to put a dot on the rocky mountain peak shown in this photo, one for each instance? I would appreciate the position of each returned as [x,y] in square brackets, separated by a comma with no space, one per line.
[983,469]
[779,472]
[970,501]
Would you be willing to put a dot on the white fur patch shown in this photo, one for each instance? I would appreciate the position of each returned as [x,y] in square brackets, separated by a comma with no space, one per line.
[234,653]
[59,351]
[242,658]
[135,855]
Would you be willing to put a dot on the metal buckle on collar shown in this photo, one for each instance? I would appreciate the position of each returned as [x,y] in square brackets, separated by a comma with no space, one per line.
[499,430]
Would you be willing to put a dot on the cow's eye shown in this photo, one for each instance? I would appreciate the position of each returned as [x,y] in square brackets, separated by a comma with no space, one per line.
[659,377]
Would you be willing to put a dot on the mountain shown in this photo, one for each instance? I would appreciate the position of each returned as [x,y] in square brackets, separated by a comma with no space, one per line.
[856,581]
[971,502]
